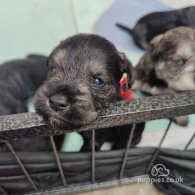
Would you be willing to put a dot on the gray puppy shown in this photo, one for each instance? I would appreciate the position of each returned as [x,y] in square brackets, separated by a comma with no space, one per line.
[157,23]
[19,79]
[168,65]
[85,73]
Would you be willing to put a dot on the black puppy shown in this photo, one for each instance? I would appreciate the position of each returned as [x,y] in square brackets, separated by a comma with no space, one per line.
[157,23]
[85,71]
[19,80]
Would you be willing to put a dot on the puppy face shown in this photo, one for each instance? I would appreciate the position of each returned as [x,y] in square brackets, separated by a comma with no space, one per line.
[84,76]
[171,56]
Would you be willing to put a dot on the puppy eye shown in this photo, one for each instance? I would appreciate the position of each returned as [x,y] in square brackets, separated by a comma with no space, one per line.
[97,81]
[181,62]
[155,57]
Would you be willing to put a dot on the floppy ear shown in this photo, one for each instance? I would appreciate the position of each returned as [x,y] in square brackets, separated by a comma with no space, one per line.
[126,67]
[155,47]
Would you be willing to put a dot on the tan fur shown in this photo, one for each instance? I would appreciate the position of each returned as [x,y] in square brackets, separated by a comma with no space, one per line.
[171,59]
[60,56]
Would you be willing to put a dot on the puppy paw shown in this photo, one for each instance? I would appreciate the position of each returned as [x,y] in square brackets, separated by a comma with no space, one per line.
[182,120]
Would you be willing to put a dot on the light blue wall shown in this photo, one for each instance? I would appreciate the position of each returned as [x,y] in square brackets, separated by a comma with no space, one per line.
[28,26]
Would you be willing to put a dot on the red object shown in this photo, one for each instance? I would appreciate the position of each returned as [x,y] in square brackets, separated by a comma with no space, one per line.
[125,92]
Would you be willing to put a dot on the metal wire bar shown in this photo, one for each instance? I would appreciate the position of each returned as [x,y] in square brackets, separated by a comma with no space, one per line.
[25,172]
[3,191]
[189,142]
[155,155]
[117,114]
[89,188]
[131,134]
[93,157]
[58,161]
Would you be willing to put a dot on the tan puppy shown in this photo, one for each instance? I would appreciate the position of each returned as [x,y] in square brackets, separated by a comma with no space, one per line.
[168,65]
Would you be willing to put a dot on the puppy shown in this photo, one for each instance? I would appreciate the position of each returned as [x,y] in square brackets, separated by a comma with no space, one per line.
[157,23]
[19,79]
[85,71]
[168,65]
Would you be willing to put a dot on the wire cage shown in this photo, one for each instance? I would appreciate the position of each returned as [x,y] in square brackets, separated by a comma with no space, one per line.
[67,173]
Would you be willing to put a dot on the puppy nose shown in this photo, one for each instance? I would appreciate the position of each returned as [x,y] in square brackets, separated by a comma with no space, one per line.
[58,102]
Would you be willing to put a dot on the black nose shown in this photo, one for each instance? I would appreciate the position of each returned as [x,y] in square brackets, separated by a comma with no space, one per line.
[58,102]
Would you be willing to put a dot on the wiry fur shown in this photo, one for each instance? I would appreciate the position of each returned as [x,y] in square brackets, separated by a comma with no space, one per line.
[157,23]
[74,65]
[168,65]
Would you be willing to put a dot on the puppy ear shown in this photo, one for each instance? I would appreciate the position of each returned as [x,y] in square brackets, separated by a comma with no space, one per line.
[155,47]
[126,67]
